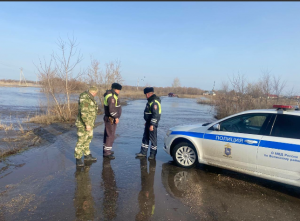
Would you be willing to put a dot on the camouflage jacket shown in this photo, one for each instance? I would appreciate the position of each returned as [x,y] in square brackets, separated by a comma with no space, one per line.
[87,110]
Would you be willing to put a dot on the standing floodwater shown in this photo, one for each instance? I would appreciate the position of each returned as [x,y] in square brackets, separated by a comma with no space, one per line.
[16,103]
[43,183]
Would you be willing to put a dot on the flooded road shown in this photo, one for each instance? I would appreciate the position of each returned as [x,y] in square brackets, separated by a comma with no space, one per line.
[44,184]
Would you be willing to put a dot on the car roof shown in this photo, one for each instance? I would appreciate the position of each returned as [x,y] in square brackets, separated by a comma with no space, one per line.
[272,111]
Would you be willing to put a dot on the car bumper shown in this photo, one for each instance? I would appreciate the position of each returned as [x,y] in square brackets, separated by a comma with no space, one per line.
[167,144]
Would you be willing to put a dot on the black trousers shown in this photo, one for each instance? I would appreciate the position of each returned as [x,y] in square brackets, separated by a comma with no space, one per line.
[147,137]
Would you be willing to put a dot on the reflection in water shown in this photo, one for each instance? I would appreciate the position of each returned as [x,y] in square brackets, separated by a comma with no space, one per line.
[110,191]
[226,195]
[146,196]
[84,201]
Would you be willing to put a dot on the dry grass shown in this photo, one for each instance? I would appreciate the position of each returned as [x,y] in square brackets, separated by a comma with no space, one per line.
[227,105]
[45,119]
[53,117]
[6,127]
[208,101]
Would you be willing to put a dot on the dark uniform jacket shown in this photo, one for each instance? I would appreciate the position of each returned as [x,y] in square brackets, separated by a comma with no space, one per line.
[112,106]
[153,110]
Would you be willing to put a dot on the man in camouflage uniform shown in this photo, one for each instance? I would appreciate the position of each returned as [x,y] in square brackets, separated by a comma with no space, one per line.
[87,113]
[113,111]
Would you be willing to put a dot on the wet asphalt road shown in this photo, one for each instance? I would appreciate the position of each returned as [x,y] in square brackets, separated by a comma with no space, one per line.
[44,184]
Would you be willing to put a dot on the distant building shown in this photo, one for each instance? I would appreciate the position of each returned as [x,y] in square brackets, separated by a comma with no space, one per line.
[272,96]
[209,93]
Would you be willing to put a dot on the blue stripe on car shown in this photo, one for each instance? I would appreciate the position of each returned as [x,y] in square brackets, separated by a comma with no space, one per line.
[280,146]
[190,134]
[241,140]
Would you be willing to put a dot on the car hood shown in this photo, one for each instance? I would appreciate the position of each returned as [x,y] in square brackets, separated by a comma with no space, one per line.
[194,127]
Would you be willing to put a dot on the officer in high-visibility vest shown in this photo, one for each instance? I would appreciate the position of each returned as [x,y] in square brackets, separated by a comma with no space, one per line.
[152,116]
[113,110]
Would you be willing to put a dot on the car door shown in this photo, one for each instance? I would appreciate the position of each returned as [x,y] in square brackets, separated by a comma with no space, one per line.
[235,144]
[279,152]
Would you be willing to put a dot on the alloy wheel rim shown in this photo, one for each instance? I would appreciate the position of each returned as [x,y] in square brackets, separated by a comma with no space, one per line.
[186,156]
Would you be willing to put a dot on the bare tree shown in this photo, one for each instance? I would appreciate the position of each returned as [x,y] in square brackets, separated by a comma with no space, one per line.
[239,83]
[113,73]
[57,77]
[266,83]
[176,84]
[278,85]
[104,80]
[254,90]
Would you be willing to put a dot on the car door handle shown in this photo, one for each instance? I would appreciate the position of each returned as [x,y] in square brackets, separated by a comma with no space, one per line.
[251,141]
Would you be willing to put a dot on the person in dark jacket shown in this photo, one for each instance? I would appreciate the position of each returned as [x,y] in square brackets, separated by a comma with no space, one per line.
[112,114]
[152,116]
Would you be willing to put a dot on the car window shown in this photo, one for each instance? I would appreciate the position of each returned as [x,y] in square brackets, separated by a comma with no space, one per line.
[247,123]
[287,126]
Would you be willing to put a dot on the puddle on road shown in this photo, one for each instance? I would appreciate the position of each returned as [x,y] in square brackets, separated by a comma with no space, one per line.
[136,189]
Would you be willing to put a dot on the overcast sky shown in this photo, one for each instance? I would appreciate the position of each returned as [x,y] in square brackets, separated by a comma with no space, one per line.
[198,42]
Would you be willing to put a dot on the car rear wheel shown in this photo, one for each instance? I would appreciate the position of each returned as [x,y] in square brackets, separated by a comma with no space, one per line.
[185,155]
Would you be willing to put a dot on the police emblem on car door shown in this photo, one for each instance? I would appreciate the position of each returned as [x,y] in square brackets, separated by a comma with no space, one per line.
[227,150]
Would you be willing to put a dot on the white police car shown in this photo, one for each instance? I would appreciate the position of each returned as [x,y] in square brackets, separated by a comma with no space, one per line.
[263,143]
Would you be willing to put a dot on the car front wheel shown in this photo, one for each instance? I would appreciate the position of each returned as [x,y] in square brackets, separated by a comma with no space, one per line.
[184,155]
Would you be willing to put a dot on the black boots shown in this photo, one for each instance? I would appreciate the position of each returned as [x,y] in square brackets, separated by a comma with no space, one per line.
[89,158]
[142,153]
[152,156]
[108,154]
[79,163]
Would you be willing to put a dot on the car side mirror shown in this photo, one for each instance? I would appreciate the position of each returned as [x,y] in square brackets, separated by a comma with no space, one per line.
[216,127]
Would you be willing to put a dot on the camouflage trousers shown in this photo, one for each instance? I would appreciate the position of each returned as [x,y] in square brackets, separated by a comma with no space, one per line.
[83,142]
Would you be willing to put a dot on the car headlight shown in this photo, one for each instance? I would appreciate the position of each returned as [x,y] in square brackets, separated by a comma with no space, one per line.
[168,133]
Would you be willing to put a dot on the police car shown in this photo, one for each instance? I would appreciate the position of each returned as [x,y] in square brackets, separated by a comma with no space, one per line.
[263,143]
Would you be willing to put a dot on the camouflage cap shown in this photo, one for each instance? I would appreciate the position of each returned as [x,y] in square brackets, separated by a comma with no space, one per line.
[93,89]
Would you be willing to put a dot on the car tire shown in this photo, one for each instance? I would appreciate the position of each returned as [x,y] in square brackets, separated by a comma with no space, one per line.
[185,155]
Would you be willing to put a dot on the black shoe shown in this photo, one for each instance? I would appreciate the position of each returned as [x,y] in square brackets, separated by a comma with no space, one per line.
[89,158]
[79,163]
[151,157]
[111,157]
[140,154]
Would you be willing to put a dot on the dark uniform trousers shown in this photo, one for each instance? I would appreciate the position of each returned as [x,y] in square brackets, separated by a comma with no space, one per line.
[109,134]
[149,136]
